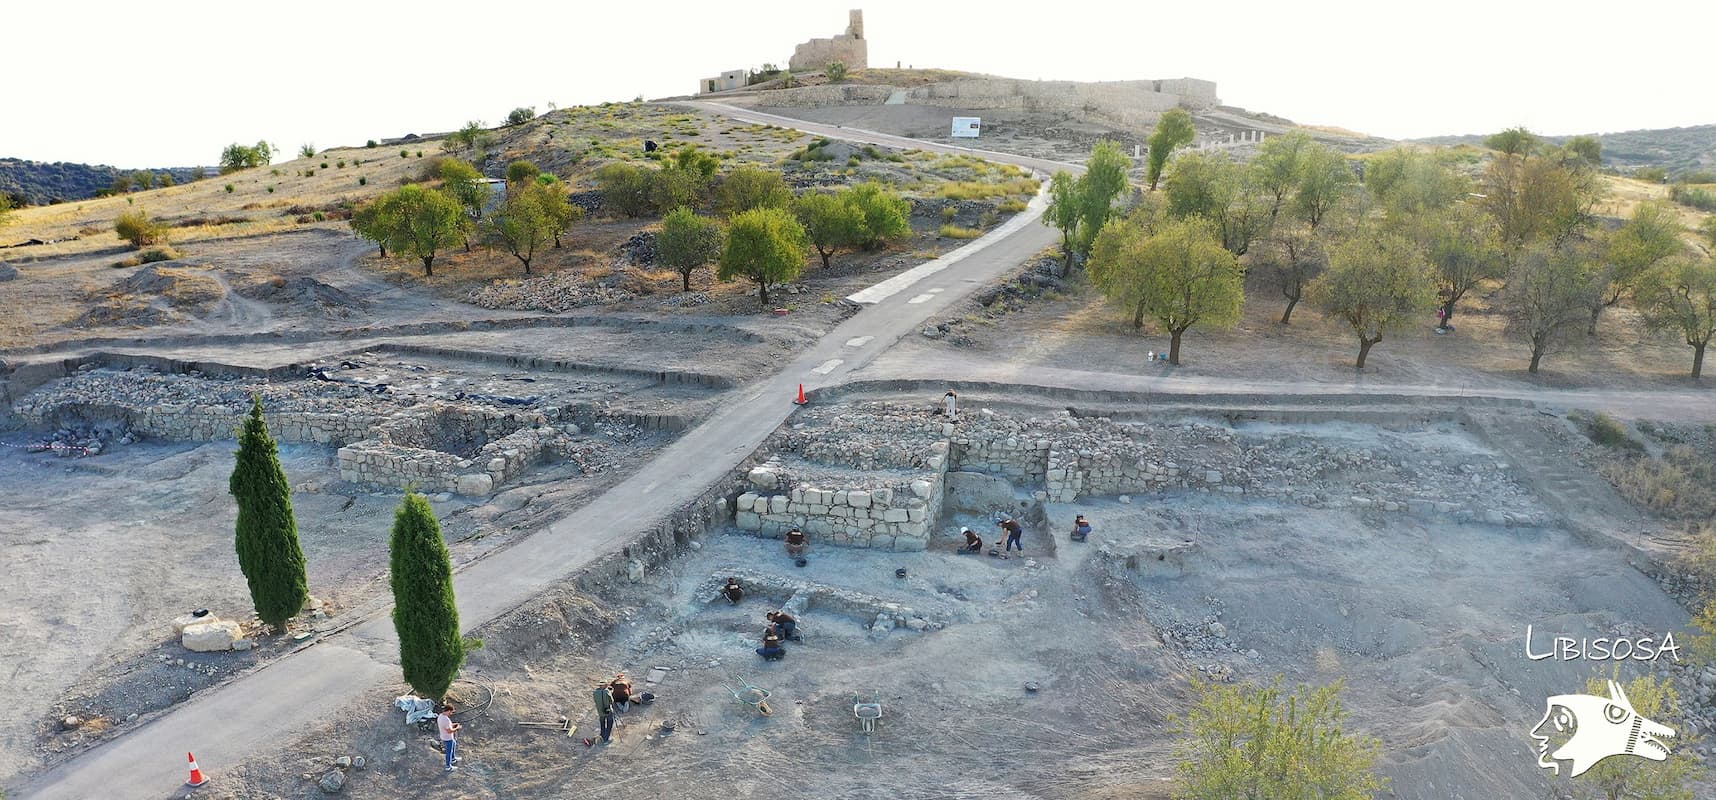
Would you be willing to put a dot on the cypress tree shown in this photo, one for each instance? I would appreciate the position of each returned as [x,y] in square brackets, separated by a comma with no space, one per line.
[267,534]
[424,613]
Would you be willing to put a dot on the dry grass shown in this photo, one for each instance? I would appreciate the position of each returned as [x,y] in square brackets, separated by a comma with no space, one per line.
[204,209]
[952,231]
[1680,485]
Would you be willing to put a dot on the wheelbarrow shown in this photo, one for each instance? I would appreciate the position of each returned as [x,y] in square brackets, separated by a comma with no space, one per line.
[754,696]
[867,713]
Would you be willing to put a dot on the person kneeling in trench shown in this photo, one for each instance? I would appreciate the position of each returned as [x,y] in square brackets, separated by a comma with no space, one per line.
[796,543]
[786,623]
[771,649]
[732,591]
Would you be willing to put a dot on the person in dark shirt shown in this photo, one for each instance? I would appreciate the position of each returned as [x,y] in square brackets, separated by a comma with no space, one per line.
[786,623]
[732,591]
[973,542]
[795,542]
[1014,531]
[1081,529]
[771,649]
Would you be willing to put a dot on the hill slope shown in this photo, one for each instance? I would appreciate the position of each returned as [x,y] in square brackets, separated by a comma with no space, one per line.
[40,182]
[1673,149]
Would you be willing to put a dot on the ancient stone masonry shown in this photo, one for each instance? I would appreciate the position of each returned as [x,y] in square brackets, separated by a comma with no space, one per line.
[1124,102]
[891,466]
[432,446]
[887,511]
[849,48]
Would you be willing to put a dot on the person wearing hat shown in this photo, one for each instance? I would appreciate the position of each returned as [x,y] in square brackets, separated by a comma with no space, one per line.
[973,542]
[1014,532]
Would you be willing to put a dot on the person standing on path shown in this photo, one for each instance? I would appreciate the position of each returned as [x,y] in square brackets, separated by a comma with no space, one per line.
[449,735]
[604,698]
[951,403]
[1014,531]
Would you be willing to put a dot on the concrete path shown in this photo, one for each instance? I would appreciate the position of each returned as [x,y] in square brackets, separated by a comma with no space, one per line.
[252,714]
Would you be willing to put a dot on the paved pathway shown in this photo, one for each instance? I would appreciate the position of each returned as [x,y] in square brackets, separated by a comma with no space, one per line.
[252,714]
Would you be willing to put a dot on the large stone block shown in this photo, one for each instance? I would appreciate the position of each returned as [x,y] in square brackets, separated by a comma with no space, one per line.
[778,504]
[858,499]
[895,515]
[211,637]
[748,521]
[474,485]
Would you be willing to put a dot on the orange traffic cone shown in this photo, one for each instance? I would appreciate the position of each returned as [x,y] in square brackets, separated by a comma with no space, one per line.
[197,776]
[801,401]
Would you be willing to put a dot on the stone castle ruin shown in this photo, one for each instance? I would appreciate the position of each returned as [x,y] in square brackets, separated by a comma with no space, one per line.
[849,48]
[1135,102]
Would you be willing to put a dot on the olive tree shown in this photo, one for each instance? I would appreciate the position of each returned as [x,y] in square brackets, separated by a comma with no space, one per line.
[1548,293]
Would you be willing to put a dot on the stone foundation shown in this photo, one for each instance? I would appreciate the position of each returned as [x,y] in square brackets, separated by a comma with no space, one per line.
[897,515]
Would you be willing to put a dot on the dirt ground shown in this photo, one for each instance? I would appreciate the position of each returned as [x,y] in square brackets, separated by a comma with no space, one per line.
[151,524]
[1077,329]
[1425,622]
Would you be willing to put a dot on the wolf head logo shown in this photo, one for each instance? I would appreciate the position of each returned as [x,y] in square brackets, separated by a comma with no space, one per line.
[1595,728]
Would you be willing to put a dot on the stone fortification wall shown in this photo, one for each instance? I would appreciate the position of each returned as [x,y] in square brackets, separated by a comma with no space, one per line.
[1126,102]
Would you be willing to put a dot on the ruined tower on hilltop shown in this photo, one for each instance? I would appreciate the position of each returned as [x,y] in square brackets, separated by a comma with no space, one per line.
[849,48]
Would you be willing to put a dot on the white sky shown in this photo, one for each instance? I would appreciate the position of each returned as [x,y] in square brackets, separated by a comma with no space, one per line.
[170,83]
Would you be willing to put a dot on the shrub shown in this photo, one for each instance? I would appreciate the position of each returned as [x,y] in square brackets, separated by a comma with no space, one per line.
[137,228]
[371,144]
[1011,205]
[319,216]
[271,190]
[307,151]
[1651,174]
[325,164]
[836,71]
[339,164]
[309,173]
[625,188]
[520,115]
[363,181]
[157,254]
[986,219]
[948,213]
[952,231]
[1609,432]
[229,188]
[405,154]
[853,161]
[419,153]
[1695,197]
[1677,486]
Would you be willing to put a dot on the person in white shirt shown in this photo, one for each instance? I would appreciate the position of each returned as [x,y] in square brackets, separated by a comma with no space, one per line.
[449,735]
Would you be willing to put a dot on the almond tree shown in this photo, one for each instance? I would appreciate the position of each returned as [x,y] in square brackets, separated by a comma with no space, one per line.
[1179,275]
[1547,296]
[687,242]
[765,245]
[1376,283]
[1680,295]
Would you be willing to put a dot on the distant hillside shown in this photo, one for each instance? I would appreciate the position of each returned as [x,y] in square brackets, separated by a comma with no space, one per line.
[1673,149]
[40,183]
